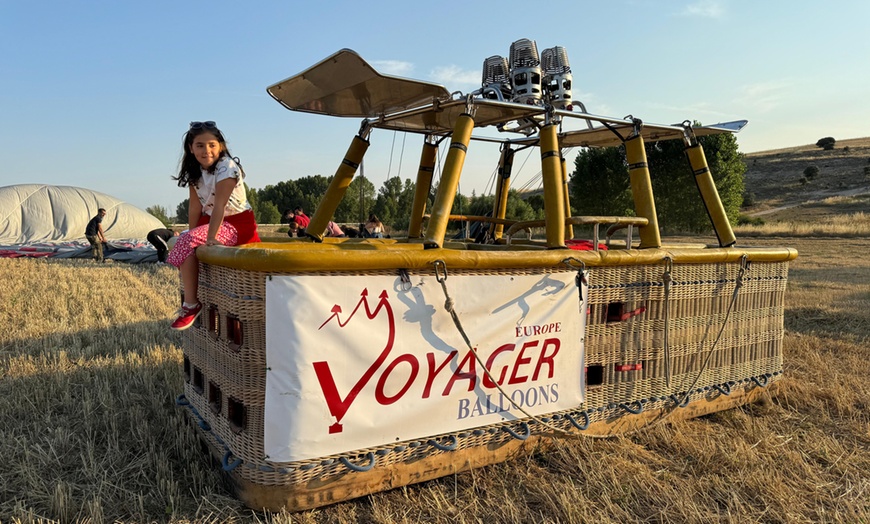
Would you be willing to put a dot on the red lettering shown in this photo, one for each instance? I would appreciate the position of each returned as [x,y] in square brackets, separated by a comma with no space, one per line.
[338,406]
[382,397]
[521,361]
[458,374]
[487,382]
[432,371]
[548,359]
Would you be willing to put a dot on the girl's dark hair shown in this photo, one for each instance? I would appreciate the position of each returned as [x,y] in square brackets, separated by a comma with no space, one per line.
[191,171]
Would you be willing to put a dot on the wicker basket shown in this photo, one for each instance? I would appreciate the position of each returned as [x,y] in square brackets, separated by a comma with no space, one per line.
[721,345]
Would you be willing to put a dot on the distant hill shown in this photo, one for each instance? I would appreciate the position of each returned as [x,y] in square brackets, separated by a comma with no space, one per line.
[774,178]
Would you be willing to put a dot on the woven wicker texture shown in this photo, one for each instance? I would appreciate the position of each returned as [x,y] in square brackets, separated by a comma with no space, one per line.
[629,317]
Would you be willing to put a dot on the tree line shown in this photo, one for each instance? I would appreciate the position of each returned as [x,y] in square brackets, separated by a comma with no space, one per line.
[598,185]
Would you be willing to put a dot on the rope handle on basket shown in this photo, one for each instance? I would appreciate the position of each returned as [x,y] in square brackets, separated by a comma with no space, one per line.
[759,382]
[351,466]
[516,435]
[454,442]
[574,423]
[225,462]
[631,410]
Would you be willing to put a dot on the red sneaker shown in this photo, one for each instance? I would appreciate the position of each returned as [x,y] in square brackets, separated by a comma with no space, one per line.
[186,316]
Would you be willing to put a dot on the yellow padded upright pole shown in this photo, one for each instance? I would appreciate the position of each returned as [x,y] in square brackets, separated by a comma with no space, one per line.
[337,188]
[569,228]
[641,191]
[554,199]
[710,195]
[437,227]
[421,191]
[505,166]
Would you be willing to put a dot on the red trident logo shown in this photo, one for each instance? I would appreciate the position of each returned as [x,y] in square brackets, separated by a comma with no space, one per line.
[338,406]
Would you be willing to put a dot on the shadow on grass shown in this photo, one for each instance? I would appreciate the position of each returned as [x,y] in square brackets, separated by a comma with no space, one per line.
[91,431]
[836,323]
[821,276]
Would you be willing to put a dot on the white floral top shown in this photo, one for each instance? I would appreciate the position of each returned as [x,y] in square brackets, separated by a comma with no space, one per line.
[225,168]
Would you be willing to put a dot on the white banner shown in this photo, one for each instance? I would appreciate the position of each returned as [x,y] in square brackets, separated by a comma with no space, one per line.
[363,361]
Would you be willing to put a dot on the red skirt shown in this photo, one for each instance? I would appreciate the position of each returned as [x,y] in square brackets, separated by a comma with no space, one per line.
[244,222]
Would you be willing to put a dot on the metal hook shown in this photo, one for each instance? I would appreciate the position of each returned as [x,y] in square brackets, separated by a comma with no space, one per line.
[569,260]
[405,278]
[637,123]
[469,105]
[689,133]
[365,128]
[443,266]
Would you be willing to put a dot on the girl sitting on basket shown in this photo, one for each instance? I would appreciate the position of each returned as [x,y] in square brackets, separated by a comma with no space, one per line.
[219,213]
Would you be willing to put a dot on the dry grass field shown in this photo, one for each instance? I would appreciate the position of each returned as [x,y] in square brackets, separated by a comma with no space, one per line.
[773,177]
[89,430]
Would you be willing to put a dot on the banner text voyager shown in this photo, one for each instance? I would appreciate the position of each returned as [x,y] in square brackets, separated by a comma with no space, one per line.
[362,361]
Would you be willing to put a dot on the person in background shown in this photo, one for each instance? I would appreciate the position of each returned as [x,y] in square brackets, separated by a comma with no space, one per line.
[333,230]
[374,228]
[301,218]
[219,211]
[351,232]
[94,234]
[292,228]
[158,238]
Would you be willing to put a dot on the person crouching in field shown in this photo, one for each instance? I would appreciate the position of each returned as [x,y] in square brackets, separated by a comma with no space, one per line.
[219,212]
[159,238]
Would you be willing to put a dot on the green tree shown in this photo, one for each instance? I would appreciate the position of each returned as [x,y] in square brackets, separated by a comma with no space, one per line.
[811,172]
[358,201]
[268,213]
[394,201]
[181,211]
[537,204]
[284,195]
[160,213]
[251,197]
[678,203]
[826,143]
[600,182]
[522,210]
[312,188]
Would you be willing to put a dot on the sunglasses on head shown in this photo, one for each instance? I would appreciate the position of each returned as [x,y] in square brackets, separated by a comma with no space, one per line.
[208,124]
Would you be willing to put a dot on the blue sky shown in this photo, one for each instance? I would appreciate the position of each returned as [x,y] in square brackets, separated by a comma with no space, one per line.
[97,94]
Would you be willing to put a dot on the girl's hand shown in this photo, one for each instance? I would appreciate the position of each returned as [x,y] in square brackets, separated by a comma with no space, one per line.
[213,242]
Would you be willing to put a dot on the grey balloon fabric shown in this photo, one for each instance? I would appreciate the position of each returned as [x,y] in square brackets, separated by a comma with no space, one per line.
[44,213]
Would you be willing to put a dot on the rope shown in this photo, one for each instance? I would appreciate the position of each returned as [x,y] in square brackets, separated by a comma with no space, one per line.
[744,265]
[441,277]
[392,147]
[362,186]
[667,280]
[401,155]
